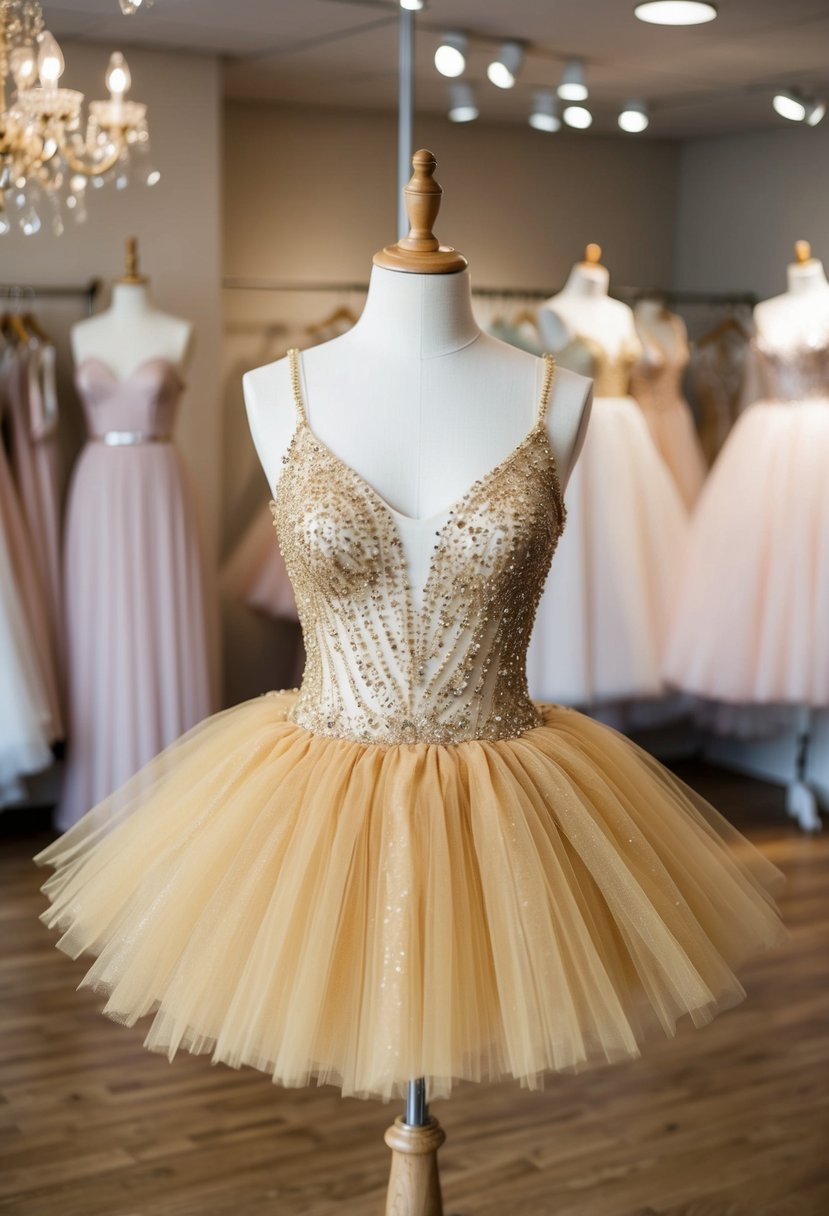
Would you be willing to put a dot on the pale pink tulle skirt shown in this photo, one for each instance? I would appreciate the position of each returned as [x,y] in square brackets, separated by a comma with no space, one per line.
[363,914]
[752,619]
[136,617]
[672,429]
[602,621]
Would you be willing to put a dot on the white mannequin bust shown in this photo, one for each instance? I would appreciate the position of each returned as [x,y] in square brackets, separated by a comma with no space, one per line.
[418,400]
[132,330]
[801,313]
[661,332]
[583,308]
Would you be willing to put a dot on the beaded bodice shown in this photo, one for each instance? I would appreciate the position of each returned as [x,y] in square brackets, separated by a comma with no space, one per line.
[379,667]
[610,373]
[796,372]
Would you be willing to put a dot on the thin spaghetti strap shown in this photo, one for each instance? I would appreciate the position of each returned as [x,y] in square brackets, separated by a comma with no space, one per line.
[296,386]
[546,389]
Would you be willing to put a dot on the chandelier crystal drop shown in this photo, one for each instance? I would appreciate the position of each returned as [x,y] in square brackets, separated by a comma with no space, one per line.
[48,151]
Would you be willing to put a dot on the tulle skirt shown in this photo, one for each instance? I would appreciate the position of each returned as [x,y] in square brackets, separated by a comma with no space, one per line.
[752,618]
[601,623]
[364,914]
[672,429]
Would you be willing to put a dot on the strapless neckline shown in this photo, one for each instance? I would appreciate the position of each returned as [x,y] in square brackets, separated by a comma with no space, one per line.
[167,365]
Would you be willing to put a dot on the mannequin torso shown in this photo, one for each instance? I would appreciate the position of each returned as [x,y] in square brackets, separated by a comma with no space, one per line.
[584,309]
[661,332]
[801,314]
[417,400]
[131,332]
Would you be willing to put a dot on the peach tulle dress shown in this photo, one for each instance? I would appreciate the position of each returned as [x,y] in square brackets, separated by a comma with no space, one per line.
[752,621]
[605,611]
[408,868]
[136,613]
[656,383]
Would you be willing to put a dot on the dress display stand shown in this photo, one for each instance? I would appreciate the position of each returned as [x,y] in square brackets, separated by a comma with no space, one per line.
[414,1138]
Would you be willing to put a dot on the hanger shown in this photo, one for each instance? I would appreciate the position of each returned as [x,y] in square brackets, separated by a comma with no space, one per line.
[343,313]
[725,326]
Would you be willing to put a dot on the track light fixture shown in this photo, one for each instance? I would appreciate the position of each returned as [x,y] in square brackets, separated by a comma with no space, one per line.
[815,110]
[578,117]
[573,86]
[462,107]
[796,107]
[504,69]
[450,57]
[676,12]
[544,115]
[633,117]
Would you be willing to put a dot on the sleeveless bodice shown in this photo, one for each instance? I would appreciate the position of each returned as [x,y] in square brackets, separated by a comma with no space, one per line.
[380,669]
[794,373]
[139,408]
[610,373]
[656,377]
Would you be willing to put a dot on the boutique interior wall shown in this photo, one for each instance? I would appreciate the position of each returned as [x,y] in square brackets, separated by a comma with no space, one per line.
[178,227]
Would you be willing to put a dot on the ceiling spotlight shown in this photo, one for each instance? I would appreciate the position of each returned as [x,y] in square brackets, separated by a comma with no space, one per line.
[413,6]
[504,69]
[450,57]
[790,105]
[578,117]
[462,106]
[544,116]
[573,86]
[676,12]
[634,117]
[815,110]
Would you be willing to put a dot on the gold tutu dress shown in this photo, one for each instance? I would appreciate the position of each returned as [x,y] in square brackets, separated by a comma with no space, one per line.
[407,868]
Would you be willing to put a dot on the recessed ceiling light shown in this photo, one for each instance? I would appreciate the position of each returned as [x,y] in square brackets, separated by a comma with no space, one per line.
[789,105]
[578,117]
[544,116]
[633,117]
[676,12]
[450,57]
[413,6]
[573,86]
[504,69]
[462,107]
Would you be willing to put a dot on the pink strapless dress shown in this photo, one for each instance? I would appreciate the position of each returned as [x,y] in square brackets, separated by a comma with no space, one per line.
[136,612]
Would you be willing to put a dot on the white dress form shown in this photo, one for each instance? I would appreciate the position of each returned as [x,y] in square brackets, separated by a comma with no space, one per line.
[791,319]
[421,404]
[131,332]
[603,617]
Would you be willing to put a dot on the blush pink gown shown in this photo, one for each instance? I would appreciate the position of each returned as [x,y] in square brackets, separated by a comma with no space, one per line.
[136,613]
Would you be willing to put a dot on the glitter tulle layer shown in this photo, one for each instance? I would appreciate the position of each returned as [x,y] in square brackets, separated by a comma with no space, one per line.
[362,914]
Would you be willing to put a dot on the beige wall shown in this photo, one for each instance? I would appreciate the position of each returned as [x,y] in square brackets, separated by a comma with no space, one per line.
[312,194]
[178,226]
[743,202]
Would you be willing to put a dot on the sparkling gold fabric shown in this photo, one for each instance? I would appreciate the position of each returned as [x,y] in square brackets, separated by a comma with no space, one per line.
[611,374]
[377,668]
[407,869]
[794,373]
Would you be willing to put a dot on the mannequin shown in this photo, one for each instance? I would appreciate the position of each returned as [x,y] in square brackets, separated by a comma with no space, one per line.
[132,330]
[599,628]
[656,325]
[584,307]
[793,317]
[421,403]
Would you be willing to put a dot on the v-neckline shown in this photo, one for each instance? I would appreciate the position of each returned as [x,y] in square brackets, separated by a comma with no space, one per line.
[414,521]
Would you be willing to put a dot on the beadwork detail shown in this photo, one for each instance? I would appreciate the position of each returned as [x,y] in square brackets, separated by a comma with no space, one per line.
[379,670]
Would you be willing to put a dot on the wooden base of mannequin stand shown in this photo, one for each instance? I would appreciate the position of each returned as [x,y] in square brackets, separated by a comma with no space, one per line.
[414,1184]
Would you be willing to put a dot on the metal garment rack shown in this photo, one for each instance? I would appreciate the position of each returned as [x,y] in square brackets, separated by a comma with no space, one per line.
[726,299]
[19,292]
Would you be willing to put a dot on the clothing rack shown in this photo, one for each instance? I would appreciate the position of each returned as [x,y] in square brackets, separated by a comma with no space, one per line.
[24,291]
[726,299]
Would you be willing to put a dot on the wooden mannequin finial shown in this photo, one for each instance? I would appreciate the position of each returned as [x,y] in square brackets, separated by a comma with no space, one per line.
[593,255]
[420,252]
[131,273]
[802,252]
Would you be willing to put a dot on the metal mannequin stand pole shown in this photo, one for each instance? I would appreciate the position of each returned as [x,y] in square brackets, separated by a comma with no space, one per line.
[414,1183]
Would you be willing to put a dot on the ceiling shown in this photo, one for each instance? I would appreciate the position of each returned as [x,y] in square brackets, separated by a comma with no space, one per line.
[708,79]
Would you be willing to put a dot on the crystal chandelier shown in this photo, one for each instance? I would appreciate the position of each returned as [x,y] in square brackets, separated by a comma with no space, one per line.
[48,153]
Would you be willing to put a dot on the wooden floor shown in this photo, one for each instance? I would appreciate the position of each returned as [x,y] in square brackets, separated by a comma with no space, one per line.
[729,1121]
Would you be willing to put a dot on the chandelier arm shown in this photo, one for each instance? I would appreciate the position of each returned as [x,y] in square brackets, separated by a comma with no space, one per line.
[78,165]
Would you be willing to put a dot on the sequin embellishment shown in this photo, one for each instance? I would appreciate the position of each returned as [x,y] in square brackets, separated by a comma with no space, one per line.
[377,669]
